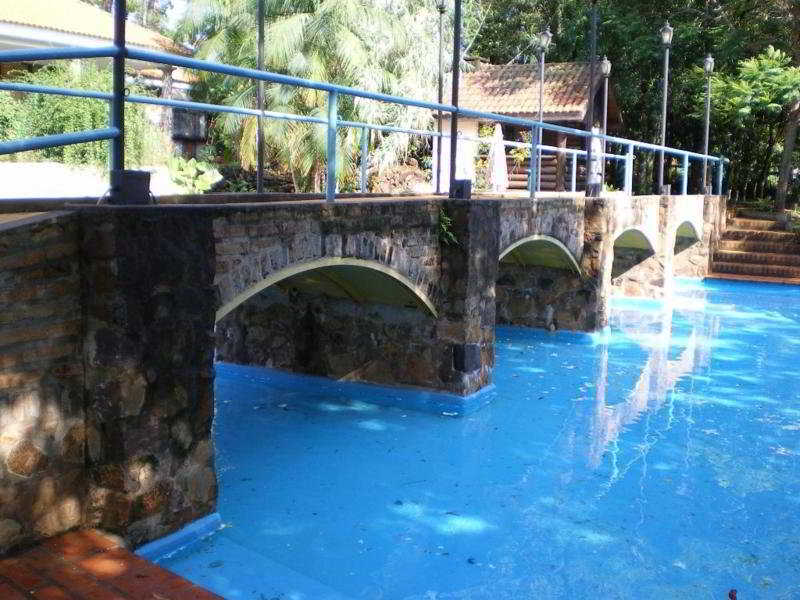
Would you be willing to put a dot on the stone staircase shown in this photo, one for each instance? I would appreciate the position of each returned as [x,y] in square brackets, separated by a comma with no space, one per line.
[757,248]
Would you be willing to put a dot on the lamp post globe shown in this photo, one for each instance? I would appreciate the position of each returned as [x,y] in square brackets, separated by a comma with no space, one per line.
[605,67]
[666,34]
[545,38]
[708,65]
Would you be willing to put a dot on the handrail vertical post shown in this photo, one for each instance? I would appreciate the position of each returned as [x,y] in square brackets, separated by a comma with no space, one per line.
[629,170]
[533,175]
[574,182]
[720,174]
[117,112]
[364,157]
[333,118]
[260,102]
[685,178]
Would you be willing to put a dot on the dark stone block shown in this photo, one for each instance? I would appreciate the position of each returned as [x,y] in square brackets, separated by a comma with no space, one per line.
[466,357]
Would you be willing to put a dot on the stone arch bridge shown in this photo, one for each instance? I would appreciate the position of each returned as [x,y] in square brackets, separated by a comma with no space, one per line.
[113,316]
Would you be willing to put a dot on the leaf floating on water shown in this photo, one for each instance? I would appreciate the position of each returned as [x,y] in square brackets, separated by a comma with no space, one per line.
[215,564]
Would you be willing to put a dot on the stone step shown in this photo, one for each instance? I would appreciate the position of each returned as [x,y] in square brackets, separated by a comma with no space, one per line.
[757,270]
[758,258]
[757,224]
[760,235]
[756,246]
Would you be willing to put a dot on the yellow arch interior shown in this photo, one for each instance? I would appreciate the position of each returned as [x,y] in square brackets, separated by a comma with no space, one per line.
[541,250]
[356,279]
[633,238]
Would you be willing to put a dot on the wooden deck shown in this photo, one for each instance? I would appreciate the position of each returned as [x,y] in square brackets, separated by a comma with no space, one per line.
[89,565]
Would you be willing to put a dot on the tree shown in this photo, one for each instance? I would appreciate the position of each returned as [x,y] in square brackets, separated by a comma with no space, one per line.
[753,107]
[793,122]
[321,40]
[148,13]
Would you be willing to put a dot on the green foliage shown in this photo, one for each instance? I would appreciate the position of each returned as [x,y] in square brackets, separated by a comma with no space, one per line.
[197,177]
[35,115]
[370,44]
[444,229]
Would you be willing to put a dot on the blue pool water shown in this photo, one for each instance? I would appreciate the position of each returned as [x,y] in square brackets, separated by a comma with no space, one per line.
[659,460]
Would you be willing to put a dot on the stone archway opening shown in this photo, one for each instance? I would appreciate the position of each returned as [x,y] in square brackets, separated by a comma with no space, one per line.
[631,248]
[348,319]
[540,284]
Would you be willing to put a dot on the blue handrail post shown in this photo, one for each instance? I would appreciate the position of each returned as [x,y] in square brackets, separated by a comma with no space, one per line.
[685,178]
[720,174]
[333,118]
[629,170]
[364,158]
[117,112]
[533,176]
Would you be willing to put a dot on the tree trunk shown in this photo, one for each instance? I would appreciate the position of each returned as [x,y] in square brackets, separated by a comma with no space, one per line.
[790,131]
[785,171]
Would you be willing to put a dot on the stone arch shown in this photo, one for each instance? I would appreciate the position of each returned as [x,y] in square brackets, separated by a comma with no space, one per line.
[631,248]
[543,251]
[686,235]
[342,273]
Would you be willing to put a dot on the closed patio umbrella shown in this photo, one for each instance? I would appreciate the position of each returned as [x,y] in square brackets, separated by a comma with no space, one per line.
[498,170]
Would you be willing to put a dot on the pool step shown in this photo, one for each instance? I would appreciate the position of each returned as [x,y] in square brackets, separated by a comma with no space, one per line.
[756,224]
[755,246]
[759,270]
[758,258]
[761,235]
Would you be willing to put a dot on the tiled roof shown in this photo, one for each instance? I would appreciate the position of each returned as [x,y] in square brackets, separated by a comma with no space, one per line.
[80,18]
[514,90]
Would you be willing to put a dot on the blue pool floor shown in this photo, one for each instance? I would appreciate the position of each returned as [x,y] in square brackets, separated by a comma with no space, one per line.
[658,460]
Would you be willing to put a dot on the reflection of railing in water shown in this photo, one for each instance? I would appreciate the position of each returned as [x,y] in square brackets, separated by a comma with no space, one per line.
[658,378]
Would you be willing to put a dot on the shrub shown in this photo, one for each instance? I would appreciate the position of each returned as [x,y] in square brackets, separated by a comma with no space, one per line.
[36,115]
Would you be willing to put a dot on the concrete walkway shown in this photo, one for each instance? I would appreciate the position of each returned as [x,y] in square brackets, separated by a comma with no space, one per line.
[89,565]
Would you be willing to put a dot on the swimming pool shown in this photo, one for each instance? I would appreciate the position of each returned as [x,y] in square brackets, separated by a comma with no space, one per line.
[657,460]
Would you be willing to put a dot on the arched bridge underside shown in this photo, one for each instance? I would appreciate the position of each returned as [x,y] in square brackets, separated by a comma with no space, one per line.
[382,291]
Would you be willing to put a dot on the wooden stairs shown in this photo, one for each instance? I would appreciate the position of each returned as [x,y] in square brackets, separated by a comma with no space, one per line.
[757,250]
[518,175]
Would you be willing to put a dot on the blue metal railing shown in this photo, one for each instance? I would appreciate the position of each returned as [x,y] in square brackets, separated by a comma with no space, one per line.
[115,133]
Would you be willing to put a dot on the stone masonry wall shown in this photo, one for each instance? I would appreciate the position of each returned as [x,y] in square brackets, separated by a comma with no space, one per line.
[42,478]
[536,296]
[320,335]
[150,302]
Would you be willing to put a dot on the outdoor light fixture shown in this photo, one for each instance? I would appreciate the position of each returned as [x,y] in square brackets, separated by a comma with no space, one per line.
[544,39]
[605,67]
[666,35]
[441,8]
[708,68]
[666,40]
[708,65]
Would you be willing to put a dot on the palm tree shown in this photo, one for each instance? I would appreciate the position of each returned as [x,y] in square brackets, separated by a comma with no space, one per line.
[376,45]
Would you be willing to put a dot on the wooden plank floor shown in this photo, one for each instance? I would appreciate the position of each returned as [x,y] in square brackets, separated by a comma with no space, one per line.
[88,565]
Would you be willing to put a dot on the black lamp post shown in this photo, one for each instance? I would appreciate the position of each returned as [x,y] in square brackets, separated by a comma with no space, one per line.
[708,68]
[260,102]
[441,8]
[666,40]
[454,115]
[545,38]
[605,69]
[592,187]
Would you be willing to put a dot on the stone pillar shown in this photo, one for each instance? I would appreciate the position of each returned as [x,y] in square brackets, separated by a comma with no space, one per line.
[465,328]
[148,350]
[596,260]
[666,254]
